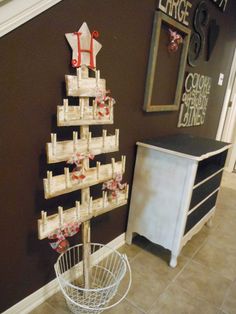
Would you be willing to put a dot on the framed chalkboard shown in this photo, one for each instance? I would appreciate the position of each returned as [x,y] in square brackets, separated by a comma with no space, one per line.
[166,69]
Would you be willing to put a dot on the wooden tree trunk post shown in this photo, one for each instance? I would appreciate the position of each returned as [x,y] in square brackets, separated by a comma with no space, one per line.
[85,196]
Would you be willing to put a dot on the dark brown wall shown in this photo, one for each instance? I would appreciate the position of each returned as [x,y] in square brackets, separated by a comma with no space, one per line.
[34,59]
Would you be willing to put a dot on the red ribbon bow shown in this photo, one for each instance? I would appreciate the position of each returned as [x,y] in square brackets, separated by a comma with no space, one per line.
[102,101]
[60,234]
[114,185]
[77,159]
[175,40]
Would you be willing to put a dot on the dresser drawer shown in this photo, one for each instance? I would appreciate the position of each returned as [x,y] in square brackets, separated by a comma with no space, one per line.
[200,212]
[205,189]
[209,166]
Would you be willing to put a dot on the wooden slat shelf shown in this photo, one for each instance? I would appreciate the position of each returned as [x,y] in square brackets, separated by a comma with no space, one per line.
[83,115]
[58,151]
[86,211]
[62,184]
[84,87]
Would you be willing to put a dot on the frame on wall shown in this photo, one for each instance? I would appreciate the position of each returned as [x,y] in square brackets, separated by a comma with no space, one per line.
[152,77]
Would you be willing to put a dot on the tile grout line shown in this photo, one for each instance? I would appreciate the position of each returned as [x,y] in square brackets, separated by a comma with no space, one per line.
[214,271]
[225,296]
[200,298]
[170,282]
[136,306]
[48,304]
[197,250]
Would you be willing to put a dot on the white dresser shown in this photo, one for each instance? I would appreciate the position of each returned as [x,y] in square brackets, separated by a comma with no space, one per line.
[175,186]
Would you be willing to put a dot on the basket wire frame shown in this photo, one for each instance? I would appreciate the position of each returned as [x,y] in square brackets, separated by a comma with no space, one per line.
[107,270]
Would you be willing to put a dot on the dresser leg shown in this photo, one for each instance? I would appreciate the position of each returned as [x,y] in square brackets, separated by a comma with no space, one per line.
[173,261]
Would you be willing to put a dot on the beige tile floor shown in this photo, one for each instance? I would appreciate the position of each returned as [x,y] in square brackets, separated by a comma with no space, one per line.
[203,282]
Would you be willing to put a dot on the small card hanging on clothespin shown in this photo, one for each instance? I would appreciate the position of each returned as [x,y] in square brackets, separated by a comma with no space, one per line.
[84,47]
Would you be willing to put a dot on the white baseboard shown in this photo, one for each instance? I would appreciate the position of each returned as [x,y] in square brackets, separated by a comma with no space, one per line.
[35,299]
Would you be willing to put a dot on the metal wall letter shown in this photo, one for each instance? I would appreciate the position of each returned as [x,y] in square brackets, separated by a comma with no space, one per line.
[197,41]
[194,100]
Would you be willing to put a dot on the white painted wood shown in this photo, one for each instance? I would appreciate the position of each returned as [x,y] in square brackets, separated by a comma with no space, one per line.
[32,301]
[80,213]
[14,13]
[85,48]
[85,195]
[86,238]
[185,155]
[89,87]
[157,192]
[173,260]
[81,41]
[58,151]
[161,196]
[62,184]
[71,116]
[183,210]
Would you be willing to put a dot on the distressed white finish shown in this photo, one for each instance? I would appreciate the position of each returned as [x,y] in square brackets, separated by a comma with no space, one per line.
[161,194]
[14,13]
[86,212]
[85,40]
[76,86]
[83,114]
[171,152]
[58,151]
[160,197]
[62,184]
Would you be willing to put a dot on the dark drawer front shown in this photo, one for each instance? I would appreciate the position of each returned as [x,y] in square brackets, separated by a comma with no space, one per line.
[200,212]
[209,166]
[203,190]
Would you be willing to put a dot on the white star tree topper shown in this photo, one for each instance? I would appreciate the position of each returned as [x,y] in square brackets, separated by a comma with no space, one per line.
[84,47]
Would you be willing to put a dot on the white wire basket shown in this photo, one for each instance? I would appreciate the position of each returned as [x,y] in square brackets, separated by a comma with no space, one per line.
[107,268]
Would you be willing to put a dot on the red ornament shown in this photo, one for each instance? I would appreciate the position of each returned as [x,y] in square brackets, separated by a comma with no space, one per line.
[62,246]
[175,40]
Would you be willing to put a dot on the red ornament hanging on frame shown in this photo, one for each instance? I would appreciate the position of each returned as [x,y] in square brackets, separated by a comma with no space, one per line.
[175,40]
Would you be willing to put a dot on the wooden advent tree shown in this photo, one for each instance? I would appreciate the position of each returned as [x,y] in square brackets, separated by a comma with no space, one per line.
[94,108]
